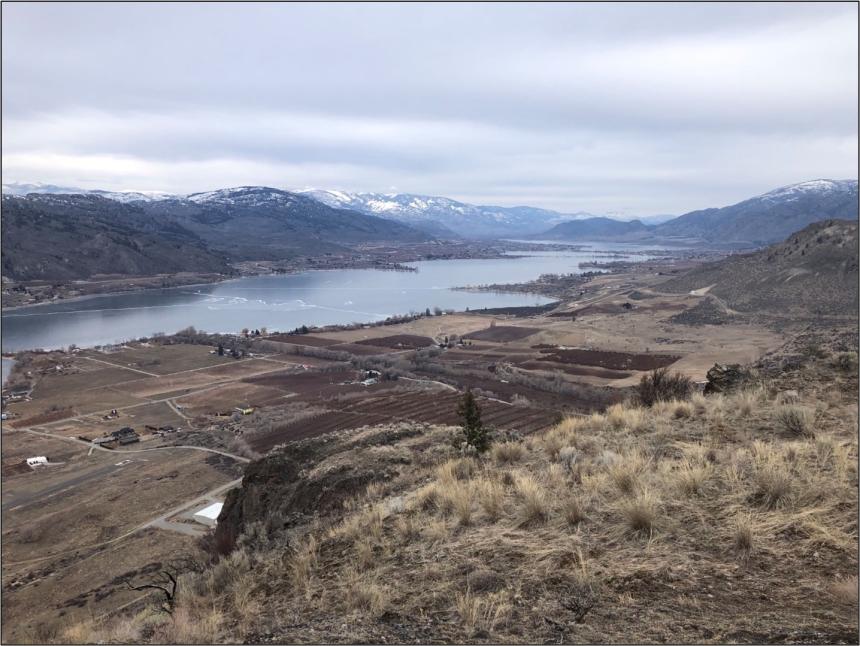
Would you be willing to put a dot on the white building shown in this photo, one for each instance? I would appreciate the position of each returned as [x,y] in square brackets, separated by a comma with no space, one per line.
[209,515]
[37,461]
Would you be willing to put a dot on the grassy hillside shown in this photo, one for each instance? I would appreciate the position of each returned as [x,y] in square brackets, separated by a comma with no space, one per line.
[727,518]
[814,272]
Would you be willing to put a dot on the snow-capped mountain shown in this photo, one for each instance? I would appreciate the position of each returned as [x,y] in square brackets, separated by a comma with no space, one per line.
[770,217]
[134,196]
[246,196]
[469,220]
[21,188]
[816,187]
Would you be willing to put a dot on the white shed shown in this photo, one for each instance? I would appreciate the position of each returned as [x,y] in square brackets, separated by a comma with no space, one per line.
[209,515]
[37,460]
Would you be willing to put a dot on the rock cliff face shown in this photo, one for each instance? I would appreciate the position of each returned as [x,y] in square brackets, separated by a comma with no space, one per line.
[312,478]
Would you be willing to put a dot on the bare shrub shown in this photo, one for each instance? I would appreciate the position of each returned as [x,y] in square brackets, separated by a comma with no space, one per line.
[682,410]
[795,420]
[661,385]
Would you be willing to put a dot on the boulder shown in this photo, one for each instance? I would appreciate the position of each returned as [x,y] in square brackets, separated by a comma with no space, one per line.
[723,379]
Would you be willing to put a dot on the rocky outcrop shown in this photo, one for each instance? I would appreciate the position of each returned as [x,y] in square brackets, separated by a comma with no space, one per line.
[312,477]
[723,379]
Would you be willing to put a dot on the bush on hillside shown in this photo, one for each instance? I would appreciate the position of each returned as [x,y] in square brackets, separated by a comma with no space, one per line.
[660,385]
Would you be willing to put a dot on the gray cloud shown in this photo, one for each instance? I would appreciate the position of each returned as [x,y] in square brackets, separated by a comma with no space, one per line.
[629,107]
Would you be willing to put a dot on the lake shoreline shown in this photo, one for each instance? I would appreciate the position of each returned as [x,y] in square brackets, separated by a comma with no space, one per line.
[284,301]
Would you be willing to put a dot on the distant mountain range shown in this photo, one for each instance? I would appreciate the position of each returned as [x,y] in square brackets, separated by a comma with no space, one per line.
[439,216]
[53,232]
[757,221]
[57,236]
[430,213]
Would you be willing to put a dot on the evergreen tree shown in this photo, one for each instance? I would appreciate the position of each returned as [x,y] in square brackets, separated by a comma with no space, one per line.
[473,429]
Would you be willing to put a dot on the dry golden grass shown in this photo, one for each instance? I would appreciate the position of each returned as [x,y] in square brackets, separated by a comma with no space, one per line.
[682,410]
[641,513]
[573,510]
[621,417]
[745,402]
[691,478]
[507,452]
[363,593]
[303,561]
[456,469]
[844,591]
[743,534]
[533,499]
[491,496]
[773,483]
[627,470]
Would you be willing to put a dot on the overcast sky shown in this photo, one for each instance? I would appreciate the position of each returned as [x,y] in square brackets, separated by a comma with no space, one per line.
[627,108]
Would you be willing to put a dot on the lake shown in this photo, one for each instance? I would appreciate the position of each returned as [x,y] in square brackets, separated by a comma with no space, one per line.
[285,302]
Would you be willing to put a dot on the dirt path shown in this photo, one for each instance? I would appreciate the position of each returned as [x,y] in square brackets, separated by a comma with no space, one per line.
[116,365]
[154,448]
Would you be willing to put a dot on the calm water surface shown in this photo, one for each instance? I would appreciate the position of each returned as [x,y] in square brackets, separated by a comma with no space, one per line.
[286,302]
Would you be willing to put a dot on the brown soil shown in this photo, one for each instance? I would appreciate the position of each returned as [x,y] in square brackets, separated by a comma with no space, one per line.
[503,333]
[433,408]
[399,342]
[611,360]
[545,364]
[302,339]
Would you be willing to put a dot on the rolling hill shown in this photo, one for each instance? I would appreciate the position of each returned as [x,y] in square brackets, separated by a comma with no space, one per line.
[814,272]
[598,229]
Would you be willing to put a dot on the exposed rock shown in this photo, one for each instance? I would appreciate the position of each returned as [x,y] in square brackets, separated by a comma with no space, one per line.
[311,477]
[723,379]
